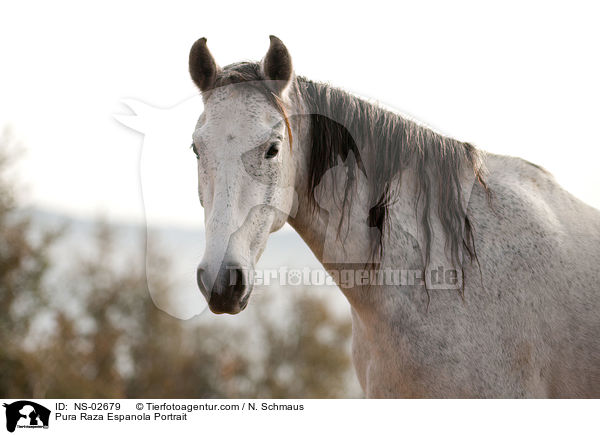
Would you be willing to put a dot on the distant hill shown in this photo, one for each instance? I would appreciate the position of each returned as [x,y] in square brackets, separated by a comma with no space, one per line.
[183,247]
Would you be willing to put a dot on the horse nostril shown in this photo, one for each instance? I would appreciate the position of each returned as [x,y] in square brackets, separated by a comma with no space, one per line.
[237,280]
[201,285]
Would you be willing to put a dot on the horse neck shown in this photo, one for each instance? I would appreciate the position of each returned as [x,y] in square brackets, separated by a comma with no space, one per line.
[429,157]
[323,222]
[337,247]
[319,230]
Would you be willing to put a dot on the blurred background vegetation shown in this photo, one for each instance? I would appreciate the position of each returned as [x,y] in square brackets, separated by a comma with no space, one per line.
[91,330]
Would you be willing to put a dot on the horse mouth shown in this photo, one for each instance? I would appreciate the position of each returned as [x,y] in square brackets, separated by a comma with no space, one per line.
[234,309]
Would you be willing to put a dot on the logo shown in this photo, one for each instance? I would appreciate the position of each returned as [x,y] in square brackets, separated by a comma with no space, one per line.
[26,414]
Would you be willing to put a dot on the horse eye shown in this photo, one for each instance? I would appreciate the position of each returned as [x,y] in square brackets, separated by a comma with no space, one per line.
[272,151]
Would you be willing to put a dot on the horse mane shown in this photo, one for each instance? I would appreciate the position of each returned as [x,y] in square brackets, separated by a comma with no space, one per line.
[383,144]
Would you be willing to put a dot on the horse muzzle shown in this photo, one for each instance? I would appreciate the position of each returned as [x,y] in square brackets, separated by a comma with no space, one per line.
[229,291]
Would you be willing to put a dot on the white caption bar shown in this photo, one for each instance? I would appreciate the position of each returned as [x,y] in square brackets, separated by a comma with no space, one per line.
[158,416]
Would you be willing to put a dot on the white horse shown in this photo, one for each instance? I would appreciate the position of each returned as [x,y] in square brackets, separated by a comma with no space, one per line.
[505,300]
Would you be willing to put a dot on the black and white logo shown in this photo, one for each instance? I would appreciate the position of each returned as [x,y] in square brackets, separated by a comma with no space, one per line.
[25,414]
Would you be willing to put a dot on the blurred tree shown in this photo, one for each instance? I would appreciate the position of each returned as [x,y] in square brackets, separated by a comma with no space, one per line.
[308,357]
[23,266]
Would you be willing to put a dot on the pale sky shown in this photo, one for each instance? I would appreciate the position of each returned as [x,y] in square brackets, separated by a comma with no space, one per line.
[516,78]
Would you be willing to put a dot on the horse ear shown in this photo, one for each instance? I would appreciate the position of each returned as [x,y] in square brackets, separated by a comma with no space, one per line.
[203,68]
[277,65]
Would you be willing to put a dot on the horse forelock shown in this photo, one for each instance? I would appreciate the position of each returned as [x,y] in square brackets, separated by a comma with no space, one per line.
[250,74]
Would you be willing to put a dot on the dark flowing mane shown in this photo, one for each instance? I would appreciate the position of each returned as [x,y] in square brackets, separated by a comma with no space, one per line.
[383,144]
[342,123]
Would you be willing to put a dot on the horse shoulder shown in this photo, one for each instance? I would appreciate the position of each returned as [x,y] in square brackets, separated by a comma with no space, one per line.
[539,249]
